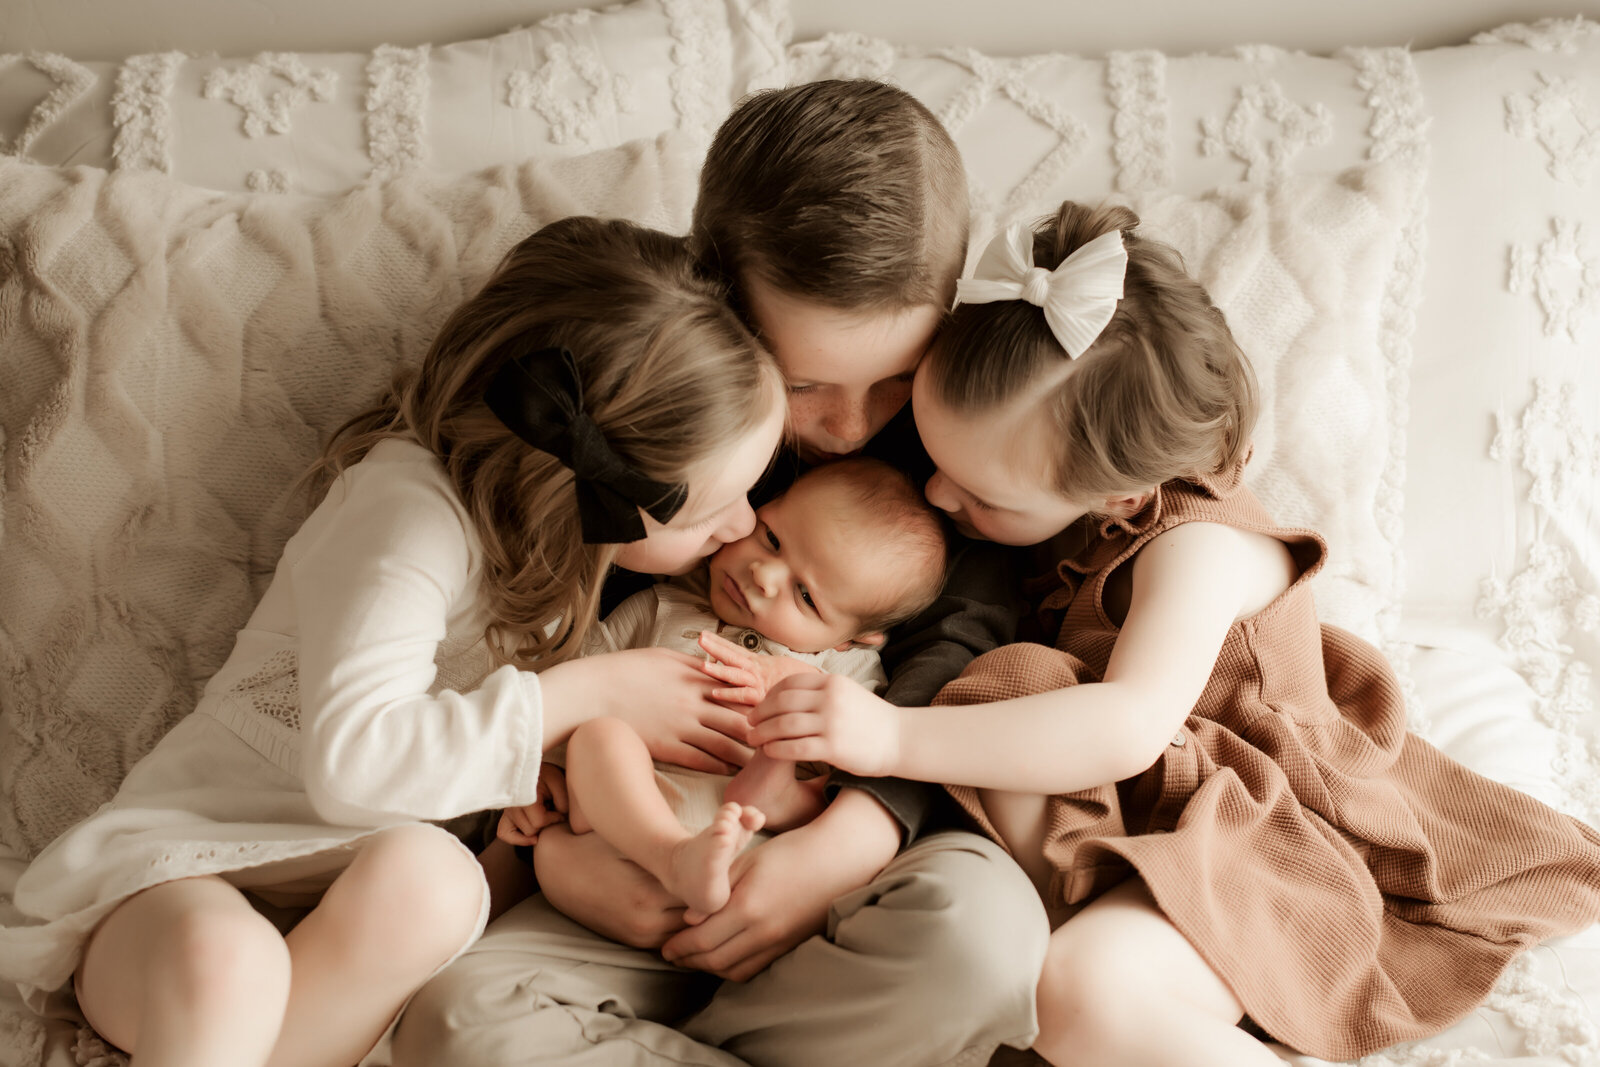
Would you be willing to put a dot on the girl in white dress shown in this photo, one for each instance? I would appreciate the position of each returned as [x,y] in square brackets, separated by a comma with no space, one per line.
[596,405]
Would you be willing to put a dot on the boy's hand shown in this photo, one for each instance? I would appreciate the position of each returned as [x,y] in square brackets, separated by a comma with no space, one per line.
[782,890]
[749,676]
[591,883]
[521,826]
[831,719]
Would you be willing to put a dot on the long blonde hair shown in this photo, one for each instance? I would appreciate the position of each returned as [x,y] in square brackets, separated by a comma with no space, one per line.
[669,376]
[1164,392]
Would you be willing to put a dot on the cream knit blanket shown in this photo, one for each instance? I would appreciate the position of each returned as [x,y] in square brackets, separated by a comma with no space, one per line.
[170,361]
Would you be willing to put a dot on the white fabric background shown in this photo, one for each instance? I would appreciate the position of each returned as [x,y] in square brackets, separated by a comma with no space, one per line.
[86,29]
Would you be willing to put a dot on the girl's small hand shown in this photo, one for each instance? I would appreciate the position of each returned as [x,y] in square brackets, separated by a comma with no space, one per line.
[829,718]
[749,676]
[669,701]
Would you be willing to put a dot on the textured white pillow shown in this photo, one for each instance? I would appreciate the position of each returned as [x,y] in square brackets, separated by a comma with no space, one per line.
[1505,513]
[322,123]
[1301,267]
[1502,517]
[1250,161]
[173,359]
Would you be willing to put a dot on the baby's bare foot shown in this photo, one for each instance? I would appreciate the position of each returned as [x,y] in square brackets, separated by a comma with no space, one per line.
[770,784]
[700,864]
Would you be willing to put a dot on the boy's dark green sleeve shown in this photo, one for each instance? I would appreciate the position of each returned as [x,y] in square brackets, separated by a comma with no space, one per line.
[977,612]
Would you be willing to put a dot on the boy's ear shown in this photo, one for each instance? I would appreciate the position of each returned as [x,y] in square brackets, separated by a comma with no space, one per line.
[863,641]
[1127,505]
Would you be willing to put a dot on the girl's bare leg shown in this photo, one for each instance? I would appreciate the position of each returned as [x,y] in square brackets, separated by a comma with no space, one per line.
[611,789]
[188,973]
[1123,988]
[770,784]
[405,904]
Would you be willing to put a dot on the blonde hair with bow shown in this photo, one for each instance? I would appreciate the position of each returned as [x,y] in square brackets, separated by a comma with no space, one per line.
[1160,391]
[670,376]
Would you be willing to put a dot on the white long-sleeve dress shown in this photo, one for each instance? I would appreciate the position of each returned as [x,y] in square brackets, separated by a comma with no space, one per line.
[359,695]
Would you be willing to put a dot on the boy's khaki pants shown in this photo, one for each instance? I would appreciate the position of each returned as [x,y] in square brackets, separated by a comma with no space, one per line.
[934,962]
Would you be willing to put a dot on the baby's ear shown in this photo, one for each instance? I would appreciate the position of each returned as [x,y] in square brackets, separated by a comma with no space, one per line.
[873,640]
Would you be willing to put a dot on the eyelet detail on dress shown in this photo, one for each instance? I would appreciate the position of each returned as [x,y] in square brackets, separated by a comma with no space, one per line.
[274,690]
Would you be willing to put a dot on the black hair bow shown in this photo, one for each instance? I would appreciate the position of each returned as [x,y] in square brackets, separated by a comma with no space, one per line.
[540,399]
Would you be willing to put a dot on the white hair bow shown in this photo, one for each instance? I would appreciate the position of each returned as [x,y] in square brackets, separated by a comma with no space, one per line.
[1079,297]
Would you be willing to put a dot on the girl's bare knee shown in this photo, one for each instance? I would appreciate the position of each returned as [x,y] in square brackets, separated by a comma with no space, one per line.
[220,963]
[414,891]
[201,945]
[1089,1004]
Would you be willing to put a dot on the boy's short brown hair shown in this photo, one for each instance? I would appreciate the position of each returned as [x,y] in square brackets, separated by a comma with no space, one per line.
[848,193]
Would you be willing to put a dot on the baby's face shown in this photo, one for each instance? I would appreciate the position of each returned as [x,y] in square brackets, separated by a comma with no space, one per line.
[805,576]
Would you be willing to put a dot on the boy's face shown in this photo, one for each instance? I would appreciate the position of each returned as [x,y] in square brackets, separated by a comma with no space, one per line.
[802,577]
[848,372]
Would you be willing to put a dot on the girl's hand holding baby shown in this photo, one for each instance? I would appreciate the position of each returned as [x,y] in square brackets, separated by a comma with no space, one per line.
[748,675]
[832,719]
[662,694]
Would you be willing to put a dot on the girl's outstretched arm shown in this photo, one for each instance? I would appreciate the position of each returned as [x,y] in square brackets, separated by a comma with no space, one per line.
[1188,587]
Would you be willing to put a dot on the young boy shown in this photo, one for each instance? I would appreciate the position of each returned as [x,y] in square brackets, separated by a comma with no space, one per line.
[850,549]
[836,212]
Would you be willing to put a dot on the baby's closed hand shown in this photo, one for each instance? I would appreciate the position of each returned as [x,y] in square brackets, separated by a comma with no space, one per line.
[521,825]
